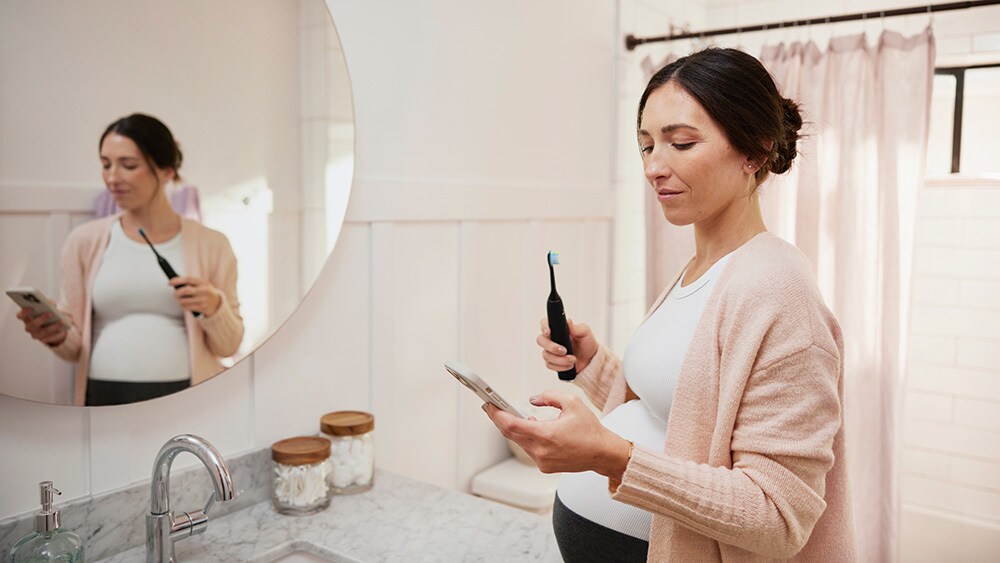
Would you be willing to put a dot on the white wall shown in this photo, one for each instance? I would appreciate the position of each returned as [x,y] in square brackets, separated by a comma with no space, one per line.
[484,138]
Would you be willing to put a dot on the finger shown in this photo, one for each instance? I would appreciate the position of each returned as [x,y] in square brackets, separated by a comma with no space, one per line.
[36,322]
[54,337]
[558,363]
[544,325]
[549,346]
[509,424]
[184,280]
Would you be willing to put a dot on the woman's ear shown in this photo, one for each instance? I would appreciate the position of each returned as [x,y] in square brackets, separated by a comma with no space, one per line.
[167,174]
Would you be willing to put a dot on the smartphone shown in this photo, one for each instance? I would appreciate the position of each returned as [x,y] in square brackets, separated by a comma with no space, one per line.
[466,377]
[38,302]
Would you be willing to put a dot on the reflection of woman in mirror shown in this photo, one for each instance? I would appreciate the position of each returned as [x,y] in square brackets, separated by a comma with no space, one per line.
[136,336]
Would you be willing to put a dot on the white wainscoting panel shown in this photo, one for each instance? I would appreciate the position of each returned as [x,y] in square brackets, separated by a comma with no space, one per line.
[414,327]
[42,436]
[125,439]
[318,361]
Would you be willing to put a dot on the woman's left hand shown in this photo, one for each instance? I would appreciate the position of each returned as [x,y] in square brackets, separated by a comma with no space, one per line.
[574,441]
[196,295]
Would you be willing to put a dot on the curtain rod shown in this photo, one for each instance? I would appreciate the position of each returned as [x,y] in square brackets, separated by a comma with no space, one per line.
[631,41]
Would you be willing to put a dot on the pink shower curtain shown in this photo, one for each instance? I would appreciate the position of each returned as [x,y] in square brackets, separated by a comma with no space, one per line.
[849,203]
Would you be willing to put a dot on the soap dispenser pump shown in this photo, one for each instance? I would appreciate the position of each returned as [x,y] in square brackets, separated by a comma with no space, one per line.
[48,542]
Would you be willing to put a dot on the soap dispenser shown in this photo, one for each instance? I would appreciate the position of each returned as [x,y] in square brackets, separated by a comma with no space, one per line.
[48,542]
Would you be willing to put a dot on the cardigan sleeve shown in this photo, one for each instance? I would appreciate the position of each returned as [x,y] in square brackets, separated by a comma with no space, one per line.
[224,328]
[782,448]
[603,380]
[72,296]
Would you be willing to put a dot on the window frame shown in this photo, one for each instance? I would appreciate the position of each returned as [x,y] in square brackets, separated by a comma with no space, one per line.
[958,72]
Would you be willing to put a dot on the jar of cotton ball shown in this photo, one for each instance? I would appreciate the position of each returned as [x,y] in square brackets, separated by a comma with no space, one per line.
[301,469]
[352,450]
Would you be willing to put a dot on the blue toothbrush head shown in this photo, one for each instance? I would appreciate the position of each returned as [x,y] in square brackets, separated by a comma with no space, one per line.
[553,258]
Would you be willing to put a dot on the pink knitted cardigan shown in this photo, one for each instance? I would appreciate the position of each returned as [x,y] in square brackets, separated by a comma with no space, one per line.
[207,255]
[753,468]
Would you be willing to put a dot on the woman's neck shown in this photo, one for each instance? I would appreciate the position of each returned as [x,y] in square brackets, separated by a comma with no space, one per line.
[723,234]
[157,219]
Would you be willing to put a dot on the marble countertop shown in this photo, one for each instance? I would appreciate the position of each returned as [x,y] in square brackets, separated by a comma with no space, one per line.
[398,520]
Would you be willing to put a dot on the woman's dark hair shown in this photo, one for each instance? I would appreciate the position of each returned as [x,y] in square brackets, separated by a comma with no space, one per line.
[152,137]
[740,96]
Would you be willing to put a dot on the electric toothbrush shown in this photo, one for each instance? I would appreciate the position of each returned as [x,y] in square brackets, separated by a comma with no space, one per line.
[164,265]
[558,329]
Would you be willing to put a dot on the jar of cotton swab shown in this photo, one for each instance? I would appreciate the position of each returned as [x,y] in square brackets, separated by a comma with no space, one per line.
[299,475]
[352,450]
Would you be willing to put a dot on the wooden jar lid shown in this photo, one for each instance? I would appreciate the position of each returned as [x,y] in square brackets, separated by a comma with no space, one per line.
[301,450]
[347,423]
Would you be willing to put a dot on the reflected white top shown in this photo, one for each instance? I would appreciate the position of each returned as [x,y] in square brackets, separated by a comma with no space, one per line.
[139,333]
[652,364]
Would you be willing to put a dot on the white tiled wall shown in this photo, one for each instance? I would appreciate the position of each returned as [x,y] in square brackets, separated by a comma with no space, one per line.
[951,426]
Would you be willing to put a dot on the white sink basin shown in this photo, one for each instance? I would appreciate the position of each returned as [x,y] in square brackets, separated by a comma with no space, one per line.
[300,556]
[305,552]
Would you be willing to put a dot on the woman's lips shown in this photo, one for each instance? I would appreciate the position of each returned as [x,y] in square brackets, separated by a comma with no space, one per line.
[666,195]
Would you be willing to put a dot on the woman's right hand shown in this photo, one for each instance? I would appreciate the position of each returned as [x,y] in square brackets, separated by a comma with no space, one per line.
[42,328]
[554,354]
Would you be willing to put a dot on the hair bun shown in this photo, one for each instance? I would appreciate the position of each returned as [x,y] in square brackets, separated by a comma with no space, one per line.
[785,152]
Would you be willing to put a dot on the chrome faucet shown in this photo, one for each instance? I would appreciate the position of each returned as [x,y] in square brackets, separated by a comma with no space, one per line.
[162,527]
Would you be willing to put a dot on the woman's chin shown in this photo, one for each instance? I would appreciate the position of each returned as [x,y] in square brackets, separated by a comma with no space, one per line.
[675,217]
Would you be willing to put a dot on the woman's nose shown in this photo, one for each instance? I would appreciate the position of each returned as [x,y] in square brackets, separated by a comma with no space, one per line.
[656,166]
[111,174]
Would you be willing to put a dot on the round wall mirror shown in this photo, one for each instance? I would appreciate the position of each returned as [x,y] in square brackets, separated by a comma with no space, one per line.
[256,93]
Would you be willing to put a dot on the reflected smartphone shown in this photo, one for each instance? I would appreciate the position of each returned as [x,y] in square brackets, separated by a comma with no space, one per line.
[38,302]
[466,377]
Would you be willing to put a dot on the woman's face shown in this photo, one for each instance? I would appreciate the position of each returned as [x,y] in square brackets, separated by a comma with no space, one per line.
[697,175]
[129,178]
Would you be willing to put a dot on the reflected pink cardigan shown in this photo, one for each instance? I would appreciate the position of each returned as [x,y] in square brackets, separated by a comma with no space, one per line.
[207,255]
[753,468]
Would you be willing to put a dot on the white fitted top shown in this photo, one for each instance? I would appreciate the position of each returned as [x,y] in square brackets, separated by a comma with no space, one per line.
[652,364]
[139,333]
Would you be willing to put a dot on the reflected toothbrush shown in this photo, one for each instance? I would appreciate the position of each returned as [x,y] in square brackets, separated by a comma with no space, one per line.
[558,328]
[164,265]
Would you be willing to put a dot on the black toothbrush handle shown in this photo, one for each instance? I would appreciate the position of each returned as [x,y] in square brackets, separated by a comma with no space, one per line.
[171,274]
[559,333]
[168,270]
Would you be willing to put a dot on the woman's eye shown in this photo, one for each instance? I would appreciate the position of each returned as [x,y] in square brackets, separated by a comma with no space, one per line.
[131,166]
[683,146]
[646,150]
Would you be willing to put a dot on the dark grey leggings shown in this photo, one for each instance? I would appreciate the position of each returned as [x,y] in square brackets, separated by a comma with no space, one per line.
[583,541]
[100,393]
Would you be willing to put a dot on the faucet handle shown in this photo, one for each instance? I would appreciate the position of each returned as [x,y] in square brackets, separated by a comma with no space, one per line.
[209,504]
[188,524]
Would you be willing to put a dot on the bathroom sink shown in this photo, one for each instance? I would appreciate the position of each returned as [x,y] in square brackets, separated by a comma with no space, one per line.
[304,552]
[300,556]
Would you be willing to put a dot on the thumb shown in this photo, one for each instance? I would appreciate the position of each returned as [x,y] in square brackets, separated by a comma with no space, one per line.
[549,398]
[577,330]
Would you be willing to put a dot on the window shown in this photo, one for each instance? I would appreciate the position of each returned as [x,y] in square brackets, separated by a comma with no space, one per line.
[965,116]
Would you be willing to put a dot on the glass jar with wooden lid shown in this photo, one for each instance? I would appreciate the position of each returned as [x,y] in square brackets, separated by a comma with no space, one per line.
[301,471]
[352,452]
